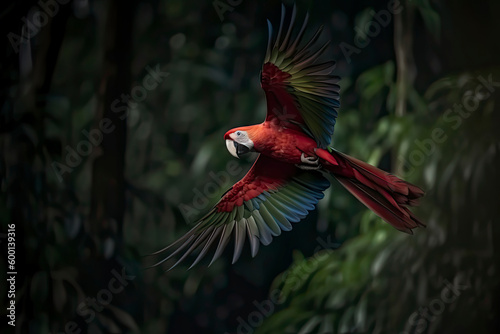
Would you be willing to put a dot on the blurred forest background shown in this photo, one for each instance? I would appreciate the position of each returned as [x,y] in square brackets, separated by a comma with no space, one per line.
[419,98]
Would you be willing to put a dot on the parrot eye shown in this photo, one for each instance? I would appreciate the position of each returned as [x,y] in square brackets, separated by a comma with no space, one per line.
[238,133]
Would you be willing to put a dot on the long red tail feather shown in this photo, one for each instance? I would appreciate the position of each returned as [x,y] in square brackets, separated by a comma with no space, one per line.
[385,194]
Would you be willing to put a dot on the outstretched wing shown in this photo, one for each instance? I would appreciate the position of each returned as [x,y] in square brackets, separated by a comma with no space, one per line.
[261,205]
[300,91]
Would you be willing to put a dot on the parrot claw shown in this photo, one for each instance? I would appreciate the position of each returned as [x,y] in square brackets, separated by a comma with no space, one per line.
[309,163]
[314,161]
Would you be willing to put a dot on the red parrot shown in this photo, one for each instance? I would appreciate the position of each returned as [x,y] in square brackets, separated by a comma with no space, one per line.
[288,178]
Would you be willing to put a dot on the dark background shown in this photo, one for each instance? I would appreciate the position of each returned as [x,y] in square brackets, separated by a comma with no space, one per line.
[414,102]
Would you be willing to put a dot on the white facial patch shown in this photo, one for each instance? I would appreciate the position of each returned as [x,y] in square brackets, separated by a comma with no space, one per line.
[241,137]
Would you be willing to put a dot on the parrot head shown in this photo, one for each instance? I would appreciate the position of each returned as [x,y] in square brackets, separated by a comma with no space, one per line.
[238,142]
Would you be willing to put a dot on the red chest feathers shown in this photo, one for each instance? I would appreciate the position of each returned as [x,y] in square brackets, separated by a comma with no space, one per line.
[283,144]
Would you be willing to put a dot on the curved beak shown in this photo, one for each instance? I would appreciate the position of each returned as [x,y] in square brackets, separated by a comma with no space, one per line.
[236,149]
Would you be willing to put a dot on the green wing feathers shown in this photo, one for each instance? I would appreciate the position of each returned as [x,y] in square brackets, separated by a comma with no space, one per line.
[292,70]
[259,218]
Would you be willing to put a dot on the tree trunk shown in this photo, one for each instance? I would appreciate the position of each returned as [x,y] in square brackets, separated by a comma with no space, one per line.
[108,182]
[405,64]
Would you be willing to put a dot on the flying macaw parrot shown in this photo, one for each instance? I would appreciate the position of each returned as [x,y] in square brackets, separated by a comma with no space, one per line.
[288,178]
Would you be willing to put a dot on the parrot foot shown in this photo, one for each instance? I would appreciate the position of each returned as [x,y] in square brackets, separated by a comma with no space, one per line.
[309,163]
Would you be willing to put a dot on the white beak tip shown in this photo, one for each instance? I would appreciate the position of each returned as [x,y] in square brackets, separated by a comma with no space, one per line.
[231,148]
